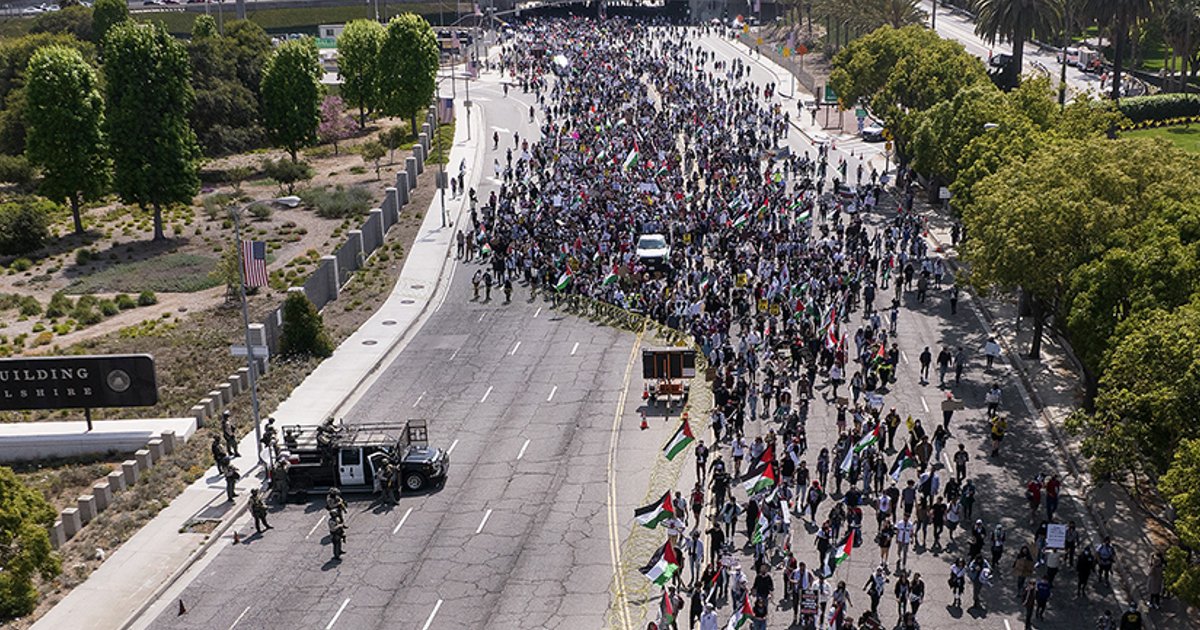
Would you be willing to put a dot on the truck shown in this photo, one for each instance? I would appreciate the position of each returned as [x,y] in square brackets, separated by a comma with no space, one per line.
[350,456]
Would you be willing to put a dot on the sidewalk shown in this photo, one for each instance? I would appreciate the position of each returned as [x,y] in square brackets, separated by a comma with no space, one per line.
[1055,387]
[138,573]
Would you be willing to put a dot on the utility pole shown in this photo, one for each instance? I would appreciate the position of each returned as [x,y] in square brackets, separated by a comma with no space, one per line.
[251,364]
[933,17]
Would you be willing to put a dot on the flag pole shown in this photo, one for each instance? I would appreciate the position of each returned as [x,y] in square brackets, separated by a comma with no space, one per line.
[251,364]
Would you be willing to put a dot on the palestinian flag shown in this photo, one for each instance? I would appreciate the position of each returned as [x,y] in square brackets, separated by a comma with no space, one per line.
[743,613]
[741,221]
[705,283]
[880,355]
[904,460]
[668,609]
[631,159]
[839,555]
[761,529]
[486,250]
[564,280]
[662,566]
[679,441]
[804,216]
[768,455]
[759,478]
[611,277]
[655,513]
[868,438]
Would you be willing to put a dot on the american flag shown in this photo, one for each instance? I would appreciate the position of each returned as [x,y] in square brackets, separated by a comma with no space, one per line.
[254,263]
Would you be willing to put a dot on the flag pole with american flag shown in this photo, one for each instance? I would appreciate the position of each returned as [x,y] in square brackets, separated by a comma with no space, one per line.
[251,267]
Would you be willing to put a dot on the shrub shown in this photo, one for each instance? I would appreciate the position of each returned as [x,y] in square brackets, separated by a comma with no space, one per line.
[215,205]
[303,328]
[30,306]
[124,302]
[108,308]
[43,338]
[287,173]
[26,516]
[24,225]
[21,264]
[15,169]
[59,305]
[1157,107]
[338,203]
[84,256]
[147,298]
[260,211]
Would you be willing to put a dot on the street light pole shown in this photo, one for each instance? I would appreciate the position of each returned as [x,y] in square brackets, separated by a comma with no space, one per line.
[251,364]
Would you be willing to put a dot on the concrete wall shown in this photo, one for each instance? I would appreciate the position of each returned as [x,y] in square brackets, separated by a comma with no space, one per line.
[27,441]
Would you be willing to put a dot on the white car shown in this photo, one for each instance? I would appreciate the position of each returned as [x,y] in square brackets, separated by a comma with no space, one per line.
[653,250]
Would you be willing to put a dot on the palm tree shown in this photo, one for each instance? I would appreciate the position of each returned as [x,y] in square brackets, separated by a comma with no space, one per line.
[1122,15]
[901,13]
[1016,21]
[1179,24]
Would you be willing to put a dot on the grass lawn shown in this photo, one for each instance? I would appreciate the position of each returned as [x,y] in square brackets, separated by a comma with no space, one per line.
[172,273]
[1186,138]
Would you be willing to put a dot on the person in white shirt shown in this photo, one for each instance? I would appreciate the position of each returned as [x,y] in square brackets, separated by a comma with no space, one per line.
[708,619]
[904,532]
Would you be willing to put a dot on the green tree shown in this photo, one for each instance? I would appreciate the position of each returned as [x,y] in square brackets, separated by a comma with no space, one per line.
[65,119]
[25,550]
[107,14]
[391,138]
[372,152]
[291,94]
[287,173]
[204,26]
[24,225]
[251,48]
[1033,223]
[304,331]
[228,271]
[1121,16]
[408,64]
[154,150]
[15,54]
[1016,21]
[1179,488]
[358,65]
[76,20]
[225,115]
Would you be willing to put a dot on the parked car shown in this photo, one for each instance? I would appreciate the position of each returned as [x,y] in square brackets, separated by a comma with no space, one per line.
[874,133]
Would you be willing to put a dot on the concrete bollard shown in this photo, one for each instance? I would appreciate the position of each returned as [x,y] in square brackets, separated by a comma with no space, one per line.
[155,447]
[382,228]
[391,207]
[330,264]
[144,459]
[58,534]
[102,491]
[200,413]
[116,481]
[410,167]
[243,375]
[71,522]
[422,154]
[235,384]
[218,401]
[425,135]
[168,440]
[402,188]
[87,508]
[210,407]
[226,391]
[130,468]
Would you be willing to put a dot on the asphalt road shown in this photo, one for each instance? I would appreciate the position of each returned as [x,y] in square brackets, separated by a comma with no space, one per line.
[1027,451]
[518,537]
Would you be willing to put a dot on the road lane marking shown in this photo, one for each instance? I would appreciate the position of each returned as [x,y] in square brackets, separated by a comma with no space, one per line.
[904,356]
[419,398]
[514,350]
[538,312]
[239,618]
[1006,626]
[455,353]
[402,519]
[574,348]
[946,458]
[429,621]
[551,396]
[481,317]
[486,516]
[486,394]
[452,445]
[314,527]
[339,614]
[614,534]
[523,447]
[924,404]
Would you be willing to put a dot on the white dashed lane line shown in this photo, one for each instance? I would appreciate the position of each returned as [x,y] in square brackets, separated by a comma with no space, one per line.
[514,350]
[429,621]
[523,447]
[486,516]
[573,349]
[338,614]
[552,392]
[486,394]
[402,519]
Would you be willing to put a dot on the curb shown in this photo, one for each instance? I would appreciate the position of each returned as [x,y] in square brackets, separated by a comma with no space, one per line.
[238,510]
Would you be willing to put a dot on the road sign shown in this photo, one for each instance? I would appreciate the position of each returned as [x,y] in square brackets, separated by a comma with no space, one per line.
[260,352]
[830,95]
[83,382]
[888,145]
